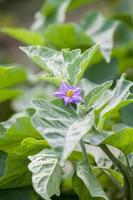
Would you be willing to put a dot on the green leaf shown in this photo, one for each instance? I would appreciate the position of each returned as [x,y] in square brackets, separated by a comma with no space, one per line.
[10,76]
[15,178]
[122,140]
[100,30]
[43,56]
[127,115]
[51,12]
[59,125]
[85,173]
[53,120]
[46,173]
[13,136]
[80,189]
[3,157]
[124,17]
[75,133]
[77,68]
[76,4]
[92,97]
[6,94]
[24,35]
[24,193]
[65,63]
[119,99]
[18,160]
[101,71]
[77,156]
[50,79]
[57,35]
[110,179]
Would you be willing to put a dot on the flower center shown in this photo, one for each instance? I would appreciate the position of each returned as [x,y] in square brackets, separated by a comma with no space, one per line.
[69,93]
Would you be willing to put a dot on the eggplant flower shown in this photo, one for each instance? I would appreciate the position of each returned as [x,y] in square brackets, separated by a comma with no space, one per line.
[70,94]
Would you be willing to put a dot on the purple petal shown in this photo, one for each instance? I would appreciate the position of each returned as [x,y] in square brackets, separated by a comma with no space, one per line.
[64,87]
[67,100]
[76,99]
[77,91]
[59,94]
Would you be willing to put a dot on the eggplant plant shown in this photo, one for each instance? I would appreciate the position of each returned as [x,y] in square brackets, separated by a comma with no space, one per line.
[38,144]
[71,133]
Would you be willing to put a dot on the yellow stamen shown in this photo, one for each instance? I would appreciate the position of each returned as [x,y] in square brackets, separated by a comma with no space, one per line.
[69,93]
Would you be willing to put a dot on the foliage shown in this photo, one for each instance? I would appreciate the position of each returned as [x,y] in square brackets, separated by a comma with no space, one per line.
[47,145]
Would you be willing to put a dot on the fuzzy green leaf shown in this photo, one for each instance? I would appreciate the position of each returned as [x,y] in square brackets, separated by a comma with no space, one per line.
[46,173]
[85,173]
[118,100]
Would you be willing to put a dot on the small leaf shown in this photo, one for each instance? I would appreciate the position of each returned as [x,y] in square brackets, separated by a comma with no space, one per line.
[46,173]
[85,173]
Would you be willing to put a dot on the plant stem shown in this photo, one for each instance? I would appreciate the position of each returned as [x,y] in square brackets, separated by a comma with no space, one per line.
[122,169]
[129,171]
[84,153]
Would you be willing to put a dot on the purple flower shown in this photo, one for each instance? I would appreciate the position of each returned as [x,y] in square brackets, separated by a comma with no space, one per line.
[69,94]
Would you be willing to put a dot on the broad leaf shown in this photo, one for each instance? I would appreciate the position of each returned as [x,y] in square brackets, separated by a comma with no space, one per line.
[50,79]
[24,193]
[57,35]
[13,136]
[101,31]
[24,35]
[101,71]
[62,64]
[51,12]
[6,94]
[53,120]
[10,76]
[77,156]
[18,160]
[80,189]
[60,126]
[76,4]
[85,173]
[127,115]
[75,133]
[3,157]
[46,173]
[122,140]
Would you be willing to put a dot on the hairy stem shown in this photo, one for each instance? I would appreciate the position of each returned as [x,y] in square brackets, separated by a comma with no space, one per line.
[84,151]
